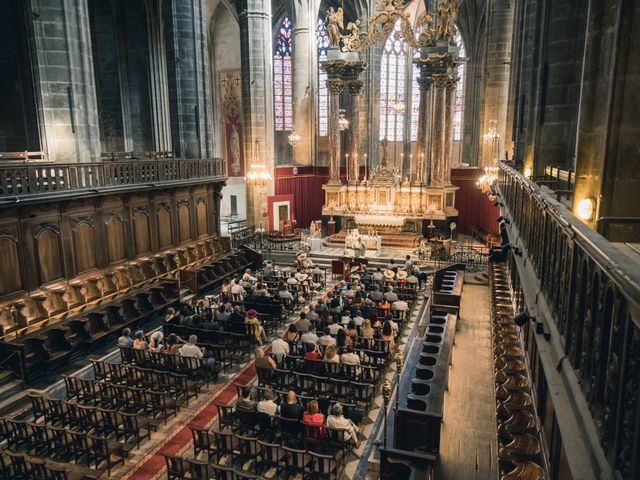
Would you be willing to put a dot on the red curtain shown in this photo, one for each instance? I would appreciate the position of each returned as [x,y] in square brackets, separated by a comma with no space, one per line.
[476,210]
[305,184]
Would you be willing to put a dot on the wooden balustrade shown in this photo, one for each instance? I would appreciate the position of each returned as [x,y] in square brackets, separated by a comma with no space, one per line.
[18,179]
[592,292]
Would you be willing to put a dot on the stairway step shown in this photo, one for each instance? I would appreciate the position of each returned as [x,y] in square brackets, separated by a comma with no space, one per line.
[12,398]
[5,377]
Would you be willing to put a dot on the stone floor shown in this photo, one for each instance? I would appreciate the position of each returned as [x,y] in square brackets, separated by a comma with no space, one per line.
[468,441]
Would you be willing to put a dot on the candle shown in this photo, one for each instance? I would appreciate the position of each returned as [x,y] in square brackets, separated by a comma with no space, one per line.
[347,167]
[366,167]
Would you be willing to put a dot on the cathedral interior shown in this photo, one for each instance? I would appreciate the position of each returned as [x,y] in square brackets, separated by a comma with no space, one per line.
[320,239]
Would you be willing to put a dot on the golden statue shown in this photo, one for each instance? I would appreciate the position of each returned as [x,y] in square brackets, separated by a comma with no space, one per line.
[335,23]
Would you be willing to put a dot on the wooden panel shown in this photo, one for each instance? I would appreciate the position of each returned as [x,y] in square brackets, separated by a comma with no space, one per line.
[84,249]
[164,227]
[10,278]
[49,256]
[115,239]
[141,232]
[201,212]
[184,222]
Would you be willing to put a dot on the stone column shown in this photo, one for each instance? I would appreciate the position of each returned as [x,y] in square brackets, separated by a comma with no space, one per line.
[424,83]
[304,65]
[351,76]
[257,99]
[158,92]
[450,95]
[64,81]
[188,74]
[440,81]
[335,84]
[355,87]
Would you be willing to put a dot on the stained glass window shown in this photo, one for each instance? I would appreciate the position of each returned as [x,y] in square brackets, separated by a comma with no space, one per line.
[415,102]
[283,77]
[322,39]
[459,100]
[392,87]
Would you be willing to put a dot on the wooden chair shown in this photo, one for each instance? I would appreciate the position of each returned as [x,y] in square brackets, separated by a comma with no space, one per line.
[202,442]
[325,466]
[177,467]
[299,462]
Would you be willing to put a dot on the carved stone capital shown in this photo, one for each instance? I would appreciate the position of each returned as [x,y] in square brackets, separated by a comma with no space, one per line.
[335,85]
[355,86]
[440,80]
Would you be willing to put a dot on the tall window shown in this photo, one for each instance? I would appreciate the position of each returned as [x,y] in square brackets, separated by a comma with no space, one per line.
[415,101]
[459,101]
[392,87]
[283,78]
[322,39]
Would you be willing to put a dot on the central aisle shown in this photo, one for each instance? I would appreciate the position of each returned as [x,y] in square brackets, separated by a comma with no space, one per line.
[468,448]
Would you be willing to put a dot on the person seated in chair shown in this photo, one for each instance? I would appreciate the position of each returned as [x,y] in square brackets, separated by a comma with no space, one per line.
[139,341]
[258,329]
[190,349]
[303,324]
[291,408]
[327,339]
[310,336]
[314,417]
[267,405]
[338,421]
[125,340]
[245,403]
[264,361]
[390,295]
[280,348]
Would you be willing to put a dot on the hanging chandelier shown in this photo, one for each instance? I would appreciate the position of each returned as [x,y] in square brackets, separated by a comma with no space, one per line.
[492,134]
[343,123]
[294,138]
[487,181]
[258,175]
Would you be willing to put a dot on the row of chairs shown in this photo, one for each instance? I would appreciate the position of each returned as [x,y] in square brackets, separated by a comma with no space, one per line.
[227,453]
[519,452]
[20,466]
[73,450]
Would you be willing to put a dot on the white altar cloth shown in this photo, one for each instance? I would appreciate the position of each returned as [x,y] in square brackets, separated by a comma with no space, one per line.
[379,220]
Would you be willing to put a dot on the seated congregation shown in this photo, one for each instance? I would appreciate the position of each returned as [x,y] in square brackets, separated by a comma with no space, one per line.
[316,381]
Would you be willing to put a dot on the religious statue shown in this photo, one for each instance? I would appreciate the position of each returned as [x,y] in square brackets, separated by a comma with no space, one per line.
[384,143]
[335,22]
[235,150]
[447,14]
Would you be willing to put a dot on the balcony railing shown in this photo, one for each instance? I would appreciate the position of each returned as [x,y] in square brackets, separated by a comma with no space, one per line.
[18,180]
[593,292]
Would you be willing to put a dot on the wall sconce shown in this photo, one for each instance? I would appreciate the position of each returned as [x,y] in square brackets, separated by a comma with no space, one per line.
[528,172]
[585,208]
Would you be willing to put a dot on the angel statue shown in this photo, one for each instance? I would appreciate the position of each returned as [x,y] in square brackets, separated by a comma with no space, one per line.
[335,22]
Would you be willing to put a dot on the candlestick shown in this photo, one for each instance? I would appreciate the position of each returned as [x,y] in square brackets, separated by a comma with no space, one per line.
[366,167]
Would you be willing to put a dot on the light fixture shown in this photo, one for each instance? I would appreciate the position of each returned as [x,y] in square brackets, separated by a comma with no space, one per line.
[258,174]
[294,138]
[343,123]
[528,172]
[585,208]
[492,135]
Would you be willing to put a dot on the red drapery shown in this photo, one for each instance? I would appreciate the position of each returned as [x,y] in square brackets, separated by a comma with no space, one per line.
[305,184]
[476,210]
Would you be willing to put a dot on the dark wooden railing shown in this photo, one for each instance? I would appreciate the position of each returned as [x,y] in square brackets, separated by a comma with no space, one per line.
[20,179]
[593,293]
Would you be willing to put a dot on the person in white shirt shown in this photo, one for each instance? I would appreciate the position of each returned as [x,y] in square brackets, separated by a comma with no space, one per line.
[349,357]
[408,264]
[390,295]
[377,275]
[247,277]
[237,289]
[279,348]
[334,327]
[292,280]
[310,336]
[400,306]
[358,319]
[190,349]
[337,420]
[327,339]
[267,405]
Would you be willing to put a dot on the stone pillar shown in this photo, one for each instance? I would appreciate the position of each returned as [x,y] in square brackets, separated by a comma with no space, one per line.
[188,74]
[158,92]
[335,84]
[257,99]
[64,81]
[440,81]
[355,87]
[424,83]
[304,68]
[450,95]
[351,75]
